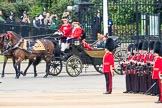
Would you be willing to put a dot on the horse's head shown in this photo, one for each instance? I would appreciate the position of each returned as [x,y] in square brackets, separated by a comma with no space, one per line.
[8,41]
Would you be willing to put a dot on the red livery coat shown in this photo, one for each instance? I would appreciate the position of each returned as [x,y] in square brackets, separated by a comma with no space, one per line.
[66,29]
[76,33]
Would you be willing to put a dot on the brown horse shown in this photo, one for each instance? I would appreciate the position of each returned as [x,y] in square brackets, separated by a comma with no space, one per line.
[10,55]
[13,42]
[7,55]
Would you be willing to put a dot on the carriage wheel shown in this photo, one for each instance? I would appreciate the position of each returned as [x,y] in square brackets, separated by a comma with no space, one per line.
[98,68]
[119,56]
[55,67]
[74,66]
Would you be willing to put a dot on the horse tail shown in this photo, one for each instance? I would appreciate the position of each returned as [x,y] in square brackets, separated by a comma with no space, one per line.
[37,60]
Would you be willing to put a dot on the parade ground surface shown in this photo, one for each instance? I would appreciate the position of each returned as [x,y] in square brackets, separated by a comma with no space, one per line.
[63,91]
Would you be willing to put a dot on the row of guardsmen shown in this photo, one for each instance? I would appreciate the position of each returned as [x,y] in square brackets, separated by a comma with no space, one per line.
[142,76]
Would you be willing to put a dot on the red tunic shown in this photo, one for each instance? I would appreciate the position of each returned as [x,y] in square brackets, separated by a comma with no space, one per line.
[66,29]
[146,58]
[76,33]
[108,60]
[151,57]
[126,62]
[157,65]
[160,80]
[140,57]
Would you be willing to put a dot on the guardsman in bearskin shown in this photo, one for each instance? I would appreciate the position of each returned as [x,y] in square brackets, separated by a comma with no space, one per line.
[157,64]
[139,56]
[126,67]
[144,74]
[160,76]
[108,64]
[132,65]
[157,72]
[150,63]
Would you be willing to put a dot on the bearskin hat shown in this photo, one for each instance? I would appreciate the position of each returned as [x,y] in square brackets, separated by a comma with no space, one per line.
[151,45]
[157,47]
[140,45]
[136,46]
[160,53]
[110,44]
[145,46]
[131,47]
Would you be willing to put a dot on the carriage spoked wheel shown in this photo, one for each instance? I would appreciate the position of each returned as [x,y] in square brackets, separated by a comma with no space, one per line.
[98,68]
[55,67]
[119,57]
[74,66]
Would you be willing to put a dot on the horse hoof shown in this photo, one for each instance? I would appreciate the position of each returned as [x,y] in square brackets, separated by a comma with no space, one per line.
[45,76]
[21,73]
[35,75]
[24,74]
[17,77]
[2,76]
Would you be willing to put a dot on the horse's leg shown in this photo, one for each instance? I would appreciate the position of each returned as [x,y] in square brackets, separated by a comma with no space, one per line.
[4,65]
[29,63]
[18,67]
[16,64]
[35,70]
[47,68]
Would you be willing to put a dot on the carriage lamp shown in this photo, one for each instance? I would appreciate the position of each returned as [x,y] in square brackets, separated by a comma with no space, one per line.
[76,42]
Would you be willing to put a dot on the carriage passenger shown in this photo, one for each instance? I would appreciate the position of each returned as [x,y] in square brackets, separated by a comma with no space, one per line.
[102,40]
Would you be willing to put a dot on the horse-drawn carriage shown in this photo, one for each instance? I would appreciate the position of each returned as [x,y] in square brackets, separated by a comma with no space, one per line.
[78,56]
[74,59]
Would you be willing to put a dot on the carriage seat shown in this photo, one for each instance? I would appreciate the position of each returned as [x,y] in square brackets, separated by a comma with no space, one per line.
[96,53]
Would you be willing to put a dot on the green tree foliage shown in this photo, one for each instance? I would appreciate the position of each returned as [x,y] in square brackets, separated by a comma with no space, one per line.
[121,11]
[16,8]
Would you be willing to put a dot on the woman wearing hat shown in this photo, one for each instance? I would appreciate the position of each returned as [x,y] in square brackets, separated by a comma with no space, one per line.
[102,40]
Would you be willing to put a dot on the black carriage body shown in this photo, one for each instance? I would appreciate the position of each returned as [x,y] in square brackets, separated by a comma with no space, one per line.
[77,56]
